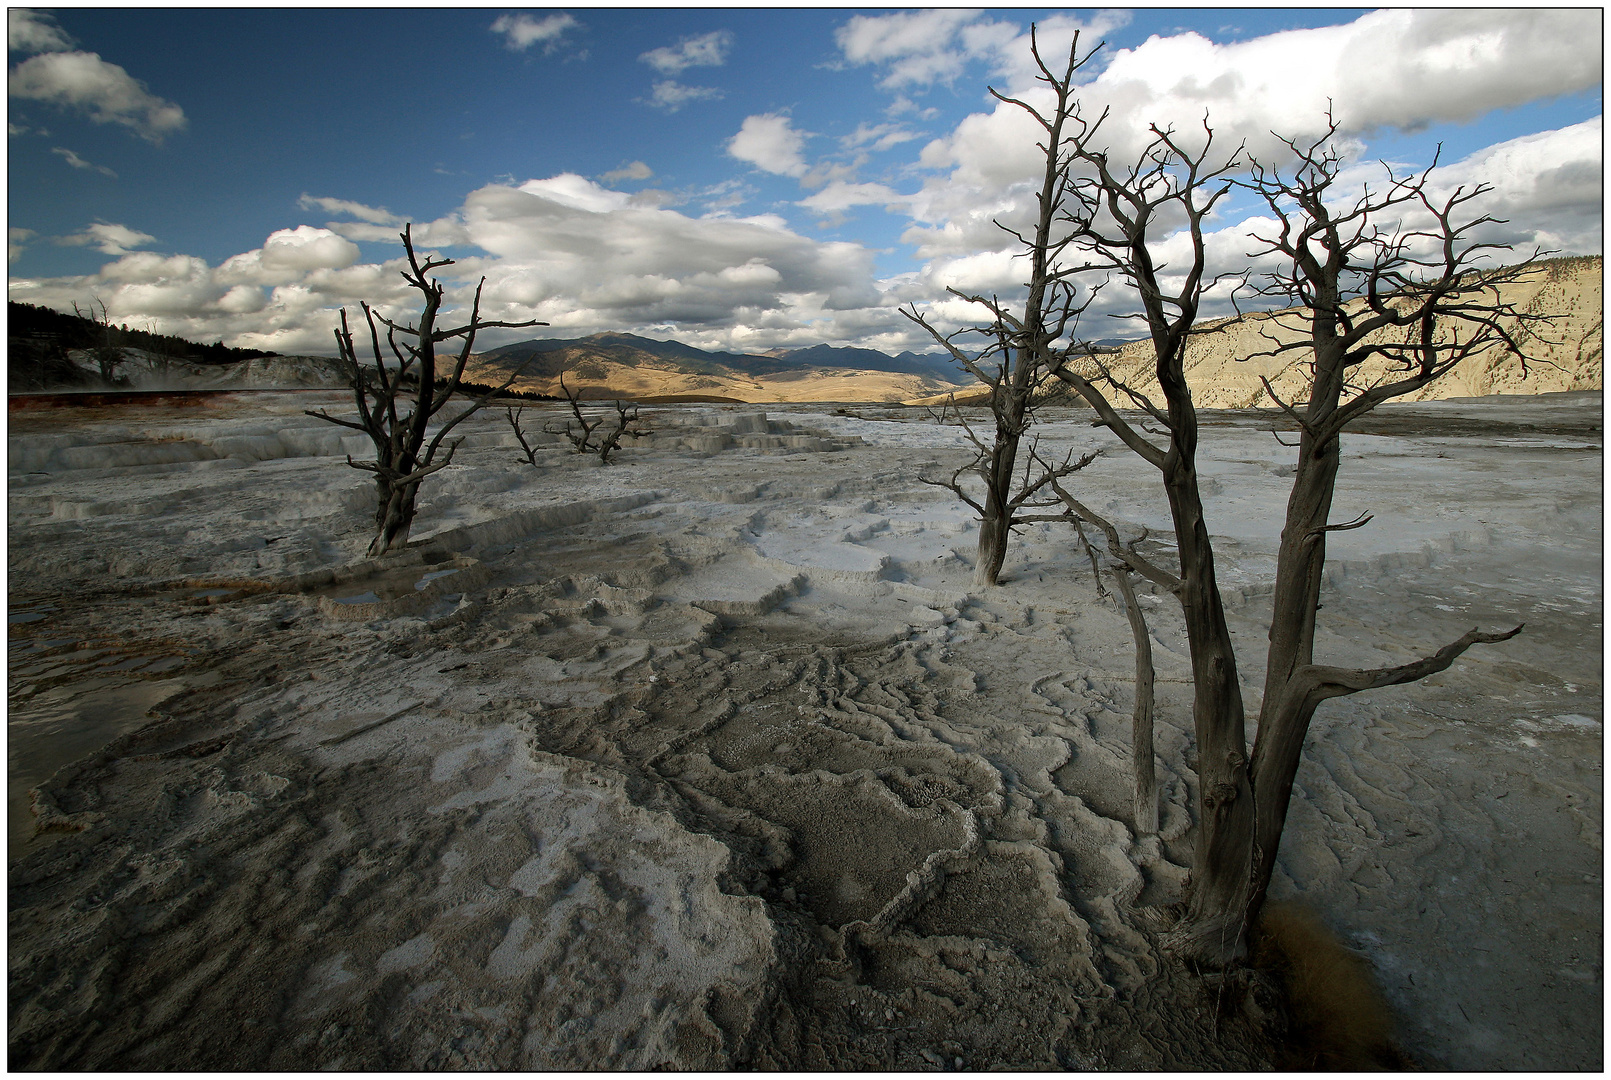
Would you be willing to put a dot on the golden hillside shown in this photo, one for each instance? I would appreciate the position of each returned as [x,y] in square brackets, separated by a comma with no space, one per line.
[602,368]
[600,378]
[1565,354]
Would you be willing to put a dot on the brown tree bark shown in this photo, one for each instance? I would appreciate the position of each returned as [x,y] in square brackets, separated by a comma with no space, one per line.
[1141,752]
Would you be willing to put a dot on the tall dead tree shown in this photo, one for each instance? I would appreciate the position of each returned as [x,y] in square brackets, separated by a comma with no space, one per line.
[1113,210]
[1012,362]
[405,450]
[1338,258]
[1393,275]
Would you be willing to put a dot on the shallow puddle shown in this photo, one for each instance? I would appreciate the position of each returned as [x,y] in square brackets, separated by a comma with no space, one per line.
[67,699]
[388,586]
[22,614]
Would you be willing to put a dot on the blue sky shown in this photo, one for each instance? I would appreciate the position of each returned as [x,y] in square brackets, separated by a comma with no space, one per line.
[735,178]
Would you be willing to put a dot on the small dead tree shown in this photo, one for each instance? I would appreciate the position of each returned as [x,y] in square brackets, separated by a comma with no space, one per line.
[1123,560]
[513,415]
[579,430]
[1355,276]
[107,355]
[404,456]
[1013,361]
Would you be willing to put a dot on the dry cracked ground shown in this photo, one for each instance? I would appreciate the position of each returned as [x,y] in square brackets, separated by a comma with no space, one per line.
[715,758]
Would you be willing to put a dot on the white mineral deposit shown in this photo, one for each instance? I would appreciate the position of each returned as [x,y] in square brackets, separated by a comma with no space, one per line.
[715,756]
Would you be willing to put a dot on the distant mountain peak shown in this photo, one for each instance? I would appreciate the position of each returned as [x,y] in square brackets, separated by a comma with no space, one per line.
[634,349]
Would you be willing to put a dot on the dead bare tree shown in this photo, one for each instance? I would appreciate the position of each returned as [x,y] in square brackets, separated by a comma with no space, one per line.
[1335,258]
[1368,281]
[579,430]
[1013,361]
[403,455]
[513,415]
[1123,560]
[1112,211]
[1146,774]
[107,355]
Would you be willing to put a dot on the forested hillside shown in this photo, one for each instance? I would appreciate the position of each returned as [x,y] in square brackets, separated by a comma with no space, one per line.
[38,340]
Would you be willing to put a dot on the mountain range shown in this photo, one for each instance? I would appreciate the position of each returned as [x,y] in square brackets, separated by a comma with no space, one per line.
[1227,361]
[627,365]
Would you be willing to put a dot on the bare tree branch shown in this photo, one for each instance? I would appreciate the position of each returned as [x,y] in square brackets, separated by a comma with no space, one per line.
[1358,523]
[1329,682]
[1116,548]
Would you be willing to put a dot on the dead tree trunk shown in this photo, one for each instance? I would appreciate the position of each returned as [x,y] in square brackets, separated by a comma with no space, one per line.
[1012,362]
[107,355]
[513,415]
[995,524]
[1357,287]
[1113,211]
[1334,258]
[1146,773]
[403,455]
[1126,560]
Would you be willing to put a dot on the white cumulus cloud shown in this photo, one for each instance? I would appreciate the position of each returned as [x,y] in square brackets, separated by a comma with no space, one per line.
[769,142]
[289,254]
[109,239]
[371,214]
[573,252]
[671,95]
[1546,187]
[705,50]
[149,268]
[877,137]
[307,248]
[30,31]
[1398,69]
[561,248]
[636,170]
[242,300]
[1402,68]
[521,31]
[841,195]
[105,92]
[583,257]
[919,47]
[17,242]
